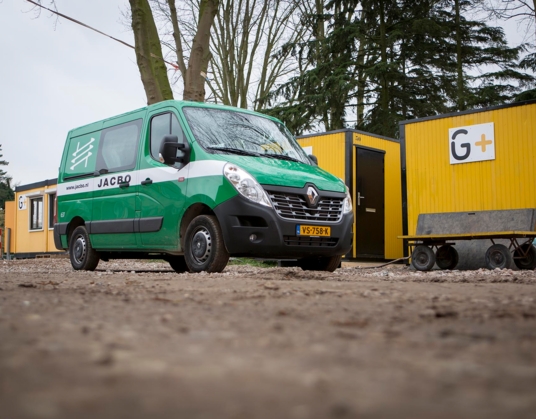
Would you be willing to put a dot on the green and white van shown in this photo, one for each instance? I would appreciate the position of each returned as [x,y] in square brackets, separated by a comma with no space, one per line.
[194,184]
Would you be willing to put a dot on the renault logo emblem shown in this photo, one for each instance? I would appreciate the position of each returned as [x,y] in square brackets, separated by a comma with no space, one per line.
[312,196]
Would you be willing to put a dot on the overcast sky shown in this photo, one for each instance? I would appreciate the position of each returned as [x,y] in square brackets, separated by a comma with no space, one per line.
[55,78]
[56,75]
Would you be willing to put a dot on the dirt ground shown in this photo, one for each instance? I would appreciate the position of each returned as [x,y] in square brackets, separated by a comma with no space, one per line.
[135,340]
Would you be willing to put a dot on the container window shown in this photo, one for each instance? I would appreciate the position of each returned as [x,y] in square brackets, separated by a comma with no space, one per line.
[36,213]
[51,209]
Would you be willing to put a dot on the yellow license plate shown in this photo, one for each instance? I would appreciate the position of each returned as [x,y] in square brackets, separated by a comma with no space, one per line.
[303,230]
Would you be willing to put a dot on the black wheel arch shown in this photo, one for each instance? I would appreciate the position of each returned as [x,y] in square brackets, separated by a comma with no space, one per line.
[192,212]
[73,224]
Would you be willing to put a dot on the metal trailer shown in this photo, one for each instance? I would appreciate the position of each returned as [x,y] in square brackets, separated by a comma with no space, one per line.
[520,250]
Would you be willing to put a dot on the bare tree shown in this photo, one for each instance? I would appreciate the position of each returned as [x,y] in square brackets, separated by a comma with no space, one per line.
[246,57]
[194,78]
[146,34]
[247,42]
[523,11]
[149,53]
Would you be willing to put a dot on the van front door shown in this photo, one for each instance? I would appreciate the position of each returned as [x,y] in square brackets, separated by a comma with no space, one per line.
[162,188]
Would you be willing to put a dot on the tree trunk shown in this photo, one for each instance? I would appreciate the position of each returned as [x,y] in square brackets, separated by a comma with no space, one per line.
[459,64]
[194,82]
[361,83]
[383,56]
[149,53]
[534,16]
[177,37]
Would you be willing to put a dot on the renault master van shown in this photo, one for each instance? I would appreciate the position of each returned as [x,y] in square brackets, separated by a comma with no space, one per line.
[193,184]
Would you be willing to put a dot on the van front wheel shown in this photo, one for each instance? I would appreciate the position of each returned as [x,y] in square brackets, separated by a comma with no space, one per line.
[82,255]
[178,264]
[204,249]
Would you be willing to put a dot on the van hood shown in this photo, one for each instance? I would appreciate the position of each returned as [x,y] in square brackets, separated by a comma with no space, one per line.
[272,171]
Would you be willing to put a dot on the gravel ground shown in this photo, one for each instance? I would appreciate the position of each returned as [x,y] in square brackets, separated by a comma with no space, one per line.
[135,340]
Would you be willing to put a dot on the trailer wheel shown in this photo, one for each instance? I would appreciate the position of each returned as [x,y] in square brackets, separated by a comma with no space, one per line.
[177,263]
[498,256]
[422,258]
[446,257]
[81,253]
[204,249]
[528,261]
[320,263]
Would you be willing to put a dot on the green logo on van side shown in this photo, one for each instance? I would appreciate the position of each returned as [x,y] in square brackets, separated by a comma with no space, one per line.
[82,155]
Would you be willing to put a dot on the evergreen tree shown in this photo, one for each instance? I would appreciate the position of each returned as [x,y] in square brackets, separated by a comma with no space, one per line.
[486,68]
[434,60]
[6,193]
[2,163]
[320,93]
[389,60]
[528,63]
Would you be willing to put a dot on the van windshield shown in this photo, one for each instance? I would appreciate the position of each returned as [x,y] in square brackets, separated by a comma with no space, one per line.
[235,132]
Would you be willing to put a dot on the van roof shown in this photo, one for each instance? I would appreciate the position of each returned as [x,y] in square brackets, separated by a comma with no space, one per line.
[98,125]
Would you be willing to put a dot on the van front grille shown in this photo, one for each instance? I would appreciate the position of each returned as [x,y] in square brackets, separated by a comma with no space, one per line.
[294,207]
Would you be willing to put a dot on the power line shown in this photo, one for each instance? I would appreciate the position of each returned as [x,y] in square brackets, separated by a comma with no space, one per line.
[175,66]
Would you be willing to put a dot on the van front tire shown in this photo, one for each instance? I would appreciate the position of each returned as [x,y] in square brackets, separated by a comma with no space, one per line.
[81,253]
[178,264]
[204,249]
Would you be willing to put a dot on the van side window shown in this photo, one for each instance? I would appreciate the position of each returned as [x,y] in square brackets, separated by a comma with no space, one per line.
[161,125]
[119,146]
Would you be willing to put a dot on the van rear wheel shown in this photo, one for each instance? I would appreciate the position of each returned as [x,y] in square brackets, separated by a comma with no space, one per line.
[320,263]
[81,253]
[204,249]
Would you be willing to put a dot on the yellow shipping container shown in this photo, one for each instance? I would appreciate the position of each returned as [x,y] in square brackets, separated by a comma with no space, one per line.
[478,160]
[31,219]
[370,166]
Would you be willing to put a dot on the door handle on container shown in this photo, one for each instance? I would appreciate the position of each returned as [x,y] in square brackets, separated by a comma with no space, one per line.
[146,181]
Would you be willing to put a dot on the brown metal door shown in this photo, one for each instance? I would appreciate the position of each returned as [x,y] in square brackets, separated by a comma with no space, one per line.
[370,199]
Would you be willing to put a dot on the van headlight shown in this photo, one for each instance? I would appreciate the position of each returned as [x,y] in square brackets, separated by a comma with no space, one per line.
[347,204]
[246,184]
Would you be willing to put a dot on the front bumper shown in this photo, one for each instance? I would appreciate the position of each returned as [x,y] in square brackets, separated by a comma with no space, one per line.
[275,237]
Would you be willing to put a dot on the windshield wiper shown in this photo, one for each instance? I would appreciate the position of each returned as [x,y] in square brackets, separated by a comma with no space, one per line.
[281,157]
[252,153]
[236,151]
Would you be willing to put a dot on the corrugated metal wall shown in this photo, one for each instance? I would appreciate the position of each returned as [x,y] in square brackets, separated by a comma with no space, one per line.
[331,151]
[507,182]
[329,148]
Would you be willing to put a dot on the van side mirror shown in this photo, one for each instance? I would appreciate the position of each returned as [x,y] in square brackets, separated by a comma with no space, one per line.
[313,159]
[168,150]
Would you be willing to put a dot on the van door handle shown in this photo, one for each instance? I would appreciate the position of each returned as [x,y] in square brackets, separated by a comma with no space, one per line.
[146,181]
[124,184]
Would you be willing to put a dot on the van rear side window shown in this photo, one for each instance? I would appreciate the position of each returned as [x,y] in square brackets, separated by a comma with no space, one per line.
[118,147]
